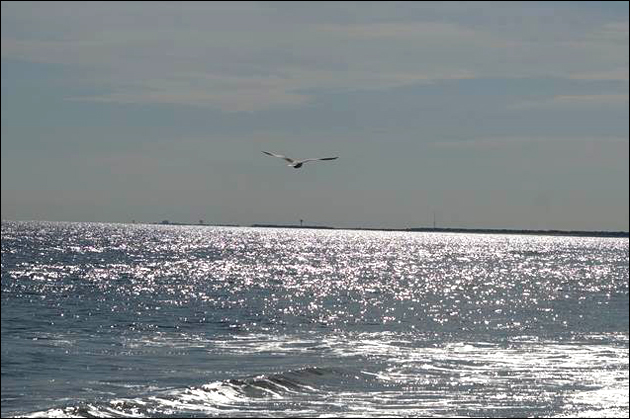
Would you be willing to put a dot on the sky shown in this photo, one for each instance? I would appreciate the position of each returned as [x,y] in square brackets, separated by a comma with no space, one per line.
[480,114]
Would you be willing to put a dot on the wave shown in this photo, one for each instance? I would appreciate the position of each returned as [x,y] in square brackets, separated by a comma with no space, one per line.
[526,378]
[251,396]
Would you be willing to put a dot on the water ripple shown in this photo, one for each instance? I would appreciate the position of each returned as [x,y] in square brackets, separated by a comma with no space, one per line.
[144,320]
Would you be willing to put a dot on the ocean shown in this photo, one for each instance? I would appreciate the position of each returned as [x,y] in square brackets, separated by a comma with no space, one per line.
[138,320]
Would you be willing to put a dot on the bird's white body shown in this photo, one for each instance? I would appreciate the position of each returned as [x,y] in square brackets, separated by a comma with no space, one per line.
[296,164]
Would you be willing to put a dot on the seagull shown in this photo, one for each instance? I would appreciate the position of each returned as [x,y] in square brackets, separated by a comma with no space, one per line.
[296,164]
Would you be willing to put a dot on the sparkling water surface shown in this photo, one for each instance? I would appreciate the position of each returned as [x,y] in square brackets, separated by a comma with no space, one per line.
[114,320]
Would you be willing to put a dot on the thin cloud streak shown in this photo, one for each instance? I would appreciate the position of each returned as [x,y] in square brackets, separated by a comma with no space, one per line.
[195,63]
[517,142]
[567,101]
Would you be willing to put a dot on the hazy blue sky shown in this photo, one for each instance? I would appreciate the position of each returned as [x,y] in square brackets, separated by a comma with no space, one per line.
[506,115]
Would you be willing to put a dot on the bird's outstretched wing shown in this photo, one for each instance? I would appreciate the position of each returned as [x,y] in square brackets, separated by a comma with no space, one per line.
[323,158]
[289,159]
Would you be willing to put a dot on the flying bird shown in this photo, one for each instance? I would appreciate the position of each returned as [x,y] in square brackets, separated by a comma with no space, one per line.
[296,164]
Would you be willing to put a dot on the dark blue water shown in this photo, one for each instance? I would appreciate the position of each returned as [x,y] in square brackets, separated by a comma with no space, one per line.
[102,320]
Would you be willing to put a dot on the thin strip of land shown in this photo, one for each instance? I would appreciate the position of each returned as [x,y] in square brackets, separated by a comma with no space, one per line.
[577,233]
[464,230]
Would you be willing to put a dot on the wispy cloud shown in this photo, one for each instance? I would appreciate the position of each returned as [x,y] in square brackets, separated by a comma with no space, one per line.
[519,142]
[566,101]
[249,57]
[615,74]
[427,31]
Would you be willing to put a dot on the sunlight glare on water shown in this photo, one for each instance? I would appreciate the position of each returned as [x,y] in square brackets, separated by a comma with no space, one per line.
[147,320]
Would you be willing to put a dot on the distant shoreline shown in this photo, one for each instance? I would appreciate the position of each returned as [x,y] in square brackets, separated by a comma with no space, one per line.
[574,233]
[466,230]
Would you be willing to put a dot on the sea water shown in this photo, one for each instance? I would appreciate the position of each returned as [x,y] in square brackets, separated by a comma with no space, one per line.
[115,320]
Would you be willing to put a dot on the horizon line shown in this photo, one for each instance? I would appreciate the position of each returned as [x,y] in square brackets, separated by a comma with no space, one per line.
[480,230]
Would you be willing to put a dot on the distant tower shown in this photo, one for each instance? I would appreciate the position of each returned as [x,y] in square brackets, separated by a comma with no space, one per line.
[301,222]
[200,221]
[433,219]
